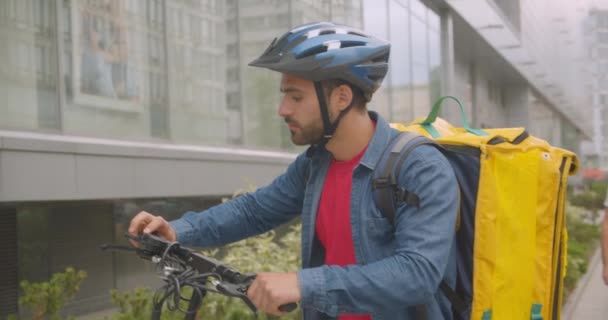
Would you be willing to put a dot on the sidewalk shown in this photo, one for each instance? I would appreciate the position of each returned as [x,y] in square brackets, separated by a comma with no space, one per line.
[589,301]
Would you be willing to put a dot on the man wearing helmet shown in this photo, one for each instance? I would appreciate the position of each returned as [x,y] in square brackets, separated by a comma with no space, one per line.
[356,264]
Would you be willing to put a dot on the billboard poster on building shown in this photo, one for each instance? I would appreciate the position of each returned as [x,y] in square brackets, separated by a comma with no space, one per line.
[104,67]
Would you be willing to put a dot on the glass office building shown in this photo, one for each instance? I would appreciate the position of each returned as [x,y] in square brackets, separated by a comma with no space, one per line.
[596,53]
[111,107]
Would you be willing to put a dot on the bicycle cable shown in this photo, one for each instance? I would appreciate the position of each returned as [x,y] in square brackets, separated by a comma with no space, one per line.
[177,276]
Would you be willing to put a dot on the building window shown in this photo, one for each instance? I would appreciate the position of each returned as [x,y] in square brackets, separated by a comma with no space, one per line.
[602,53]
[232,51]
[494,92]
[602,21]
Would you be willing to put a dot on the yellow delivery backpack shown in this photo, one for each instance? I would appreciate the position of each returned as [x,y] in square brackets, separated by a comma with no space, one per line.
[511,237]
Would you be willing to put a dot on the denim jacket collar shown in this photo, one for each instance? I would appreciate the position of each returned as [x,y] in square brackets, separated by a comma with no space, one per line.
[382,135]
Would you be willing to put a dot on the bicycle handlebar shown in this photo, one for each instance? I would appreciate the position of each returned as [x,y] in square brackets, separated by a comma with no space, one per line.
[180,266]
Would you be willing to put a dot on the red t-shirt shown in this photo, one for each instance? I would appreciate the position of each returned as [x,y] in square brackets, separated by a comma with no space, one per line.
[333,225]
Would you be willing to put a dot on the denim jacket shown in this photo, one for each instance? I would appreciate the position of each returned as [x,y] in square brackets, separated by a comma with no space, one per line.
[398,266]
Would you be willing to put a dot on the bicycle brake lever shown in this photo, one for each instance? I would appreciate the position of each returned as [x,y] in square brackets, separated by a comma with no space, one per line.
[141,253]
[244,286]
[235,290]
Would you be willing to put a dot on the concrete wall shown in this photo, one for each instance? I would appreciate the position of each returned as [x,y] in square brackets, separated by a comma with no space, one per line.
[515,100]
[37,167]
[505,106]
[545,123]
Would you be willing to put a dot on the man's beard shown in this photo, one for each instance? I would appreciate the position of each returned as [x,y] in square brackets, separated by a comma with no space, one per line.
[308,135]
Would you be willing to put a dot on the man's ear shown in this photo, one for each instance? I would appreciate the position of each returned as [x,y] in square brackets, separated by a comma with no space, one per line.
[342,96]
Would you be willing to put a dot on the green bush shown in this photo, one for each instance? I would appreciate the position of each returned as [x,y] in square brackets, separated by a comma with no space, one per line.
[264,253]
[589,200]
[582,241]
[598,187]
[46,299]
[137,305]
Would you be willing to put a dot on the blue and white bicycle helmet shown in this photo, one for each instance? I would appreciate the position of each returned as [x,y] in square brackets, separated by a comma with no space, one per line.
[324,51]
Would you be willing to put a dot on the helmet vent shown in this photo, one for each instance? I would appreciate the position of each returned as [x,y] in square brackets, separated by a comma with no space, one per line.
[329,31]
[348,44]
[357,34]
[312,51]
[382,58]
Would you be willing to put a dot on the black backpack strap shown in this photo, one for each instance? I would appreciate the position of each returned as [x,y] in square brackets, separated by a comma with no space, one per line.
[459,305]
[388,192]
[418,312]
[385,184]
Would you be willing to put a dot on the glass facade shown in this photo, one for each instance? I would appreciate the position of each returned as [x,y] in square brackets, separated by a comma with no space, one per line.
[28,65]
[177,70]
[596,58]
[145,69]
[413,79]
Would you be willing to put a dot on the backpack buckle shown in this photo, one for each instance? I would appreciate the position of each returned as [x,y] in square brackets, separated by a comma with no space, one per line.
[383,182]
[410,198]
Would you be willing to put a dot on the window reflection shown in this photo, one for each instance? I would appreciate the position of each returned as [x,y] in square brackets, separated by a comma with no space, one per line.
[413,81]
[107,69]
[115,69]
[400,63]
[28,65]
[375,20]
[418,10]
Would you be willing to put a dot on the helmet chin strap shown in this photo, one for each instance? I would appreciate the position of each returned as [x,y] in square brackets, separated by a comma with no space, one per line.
[328,127]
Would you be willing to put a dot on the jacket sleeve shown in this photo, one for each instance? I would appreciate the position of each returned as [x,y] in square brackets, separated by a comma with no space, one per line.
[249,214]
[423,242]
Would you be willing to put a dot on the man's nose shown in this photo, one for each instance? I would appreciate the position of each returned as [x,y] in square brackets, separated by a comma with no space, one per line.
[284,109]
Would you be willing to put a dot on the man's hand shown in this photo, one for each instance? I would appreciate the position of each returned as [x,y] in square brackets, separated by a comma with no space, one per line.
[270,290]
[148,223]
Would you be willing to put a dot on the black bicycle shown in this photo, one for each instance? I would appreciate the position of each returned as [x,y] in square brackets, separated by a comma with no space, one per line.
[181,267]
